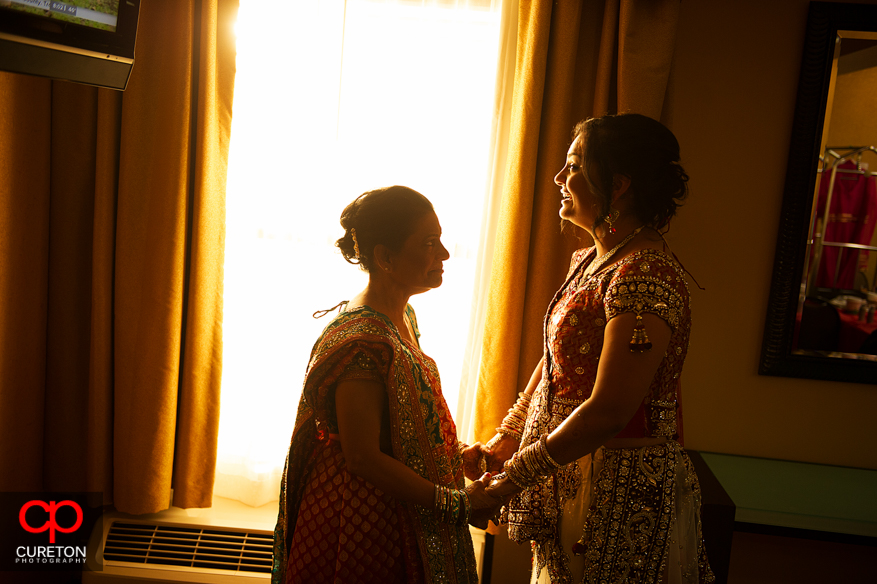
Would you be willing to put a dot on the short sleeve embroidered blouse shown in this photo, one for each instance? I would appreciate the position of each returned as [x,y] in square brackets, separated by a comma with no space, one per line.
[646,281]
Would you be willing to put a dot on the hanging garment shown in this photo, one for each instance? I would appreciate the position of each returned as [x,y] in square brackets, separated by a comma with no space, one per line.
[851,219]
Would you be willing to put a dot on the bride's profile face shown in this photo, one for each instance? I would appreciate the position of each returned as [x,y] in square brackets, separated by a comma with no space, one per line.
[578,205]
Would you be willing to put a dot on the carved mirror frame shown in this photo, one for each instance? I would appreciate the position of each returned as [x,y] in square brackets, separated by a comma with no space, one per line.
[824,21]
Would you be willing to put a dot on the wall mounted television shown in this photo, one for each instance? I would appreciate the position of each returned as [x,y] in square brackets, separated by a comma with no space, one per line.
[85,41]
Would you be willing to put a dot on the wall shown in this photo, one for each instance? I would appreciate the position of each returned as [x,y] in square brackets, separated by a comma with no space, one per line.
[731,104]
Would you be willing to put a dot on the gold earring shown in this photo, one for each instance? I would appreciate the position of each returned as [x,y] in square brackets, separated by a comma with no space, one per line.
[611,218]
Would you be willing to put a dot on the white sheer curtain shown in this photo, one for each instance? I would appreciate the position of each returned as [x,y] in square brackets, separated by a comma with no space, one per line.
[499,139]
[332,99]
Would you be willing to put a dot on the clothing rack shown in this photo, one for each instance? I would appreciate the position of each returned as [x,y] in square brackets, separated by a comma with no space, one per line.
[839,154]
[847,171]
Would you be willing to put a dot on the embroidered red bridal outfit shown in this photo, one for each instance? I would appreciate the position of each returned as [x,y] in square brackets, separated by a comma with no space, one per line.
[626,514]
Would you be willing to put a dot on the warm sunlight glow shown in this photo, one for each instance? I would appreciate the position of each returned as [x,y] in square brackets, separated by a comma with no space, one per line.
[332,99]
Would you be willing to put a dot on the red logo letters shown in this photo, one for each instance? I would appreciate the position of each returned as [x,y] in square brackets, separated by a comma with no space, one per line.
[51,524]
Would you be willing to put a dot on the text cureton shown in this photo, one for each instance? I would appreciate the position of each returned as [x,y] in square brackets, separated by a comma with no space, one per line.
[50,554]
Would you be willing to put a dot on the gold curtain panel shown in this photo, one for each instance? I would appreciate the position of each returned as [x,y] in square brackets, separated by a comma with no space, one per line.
[574,60]
[113,209]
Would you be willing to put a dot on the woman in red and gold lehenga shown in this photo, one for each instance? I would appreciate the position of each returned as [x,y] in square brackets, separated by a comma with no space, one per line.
[591,450]
[373,485]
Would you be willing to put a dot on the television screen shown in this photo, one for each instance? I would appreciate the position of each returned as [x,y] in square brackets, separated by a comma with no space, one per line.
[85,41]
[101,14]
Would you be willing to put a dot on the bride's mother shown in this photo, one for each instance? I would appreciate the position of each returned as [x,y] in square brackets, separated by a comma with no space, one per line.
[373,490]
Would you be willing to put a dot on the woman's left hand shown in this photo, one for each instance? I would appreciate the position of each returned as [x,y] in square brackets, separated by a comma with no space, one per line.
[483,505]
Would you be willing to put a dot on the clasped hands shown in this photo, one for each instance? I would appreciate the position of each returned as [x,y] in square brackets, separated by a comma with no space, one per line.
[486,494]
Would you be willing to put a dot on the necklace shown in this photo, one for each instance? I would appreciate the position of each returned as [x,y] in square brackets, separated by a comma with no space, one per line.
[601,261]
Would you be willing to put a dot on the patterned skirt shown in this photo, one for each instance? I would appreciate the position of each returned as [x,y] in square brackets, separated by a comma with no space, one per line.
[635,518]
[347,531]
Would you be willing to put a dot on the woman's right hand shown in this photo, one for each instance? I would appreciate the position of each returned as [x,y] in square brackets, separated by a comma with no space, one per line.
[503,488]
[473,459]
[501,448]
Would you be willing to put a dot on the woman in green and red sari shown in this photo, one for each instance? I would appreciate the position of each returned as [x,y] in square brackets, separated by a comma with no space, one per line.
[373,489]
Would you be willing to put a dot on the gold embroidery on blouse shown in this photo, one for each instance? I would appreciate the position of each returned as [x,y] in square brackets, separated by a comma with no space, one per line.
[663,418]
[363,361]
[361,366]
[638,294]
[533,514]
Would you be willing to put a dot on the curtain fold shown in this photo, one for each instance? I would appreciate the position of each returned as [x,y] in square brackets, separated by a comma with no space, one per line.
[198,426]
[574,60]
[99,439]
[118,215]
[74,113]
[150,258]
[25,128]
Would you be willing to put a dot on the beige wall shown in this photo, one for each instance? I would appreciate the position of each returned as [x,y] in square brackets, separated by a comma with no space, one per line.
[731,102]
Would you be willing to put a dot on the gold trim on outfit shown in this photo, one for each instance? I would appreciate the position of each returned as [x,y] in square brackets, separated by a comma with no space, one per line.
[627,515]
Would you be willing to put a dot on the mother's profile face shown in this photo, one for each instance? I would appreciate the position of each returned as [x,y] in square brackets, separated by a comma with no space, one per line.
[382,219]
[419,264]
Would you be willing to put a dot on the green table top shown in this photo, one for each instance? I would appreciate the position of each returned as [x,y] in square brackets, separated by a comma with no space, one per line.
[798,494]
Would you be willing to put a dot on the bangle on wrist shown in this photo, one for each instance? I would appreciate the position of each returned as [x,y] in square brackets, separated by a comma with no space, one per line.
[451,505]
[516,420]
[531,465]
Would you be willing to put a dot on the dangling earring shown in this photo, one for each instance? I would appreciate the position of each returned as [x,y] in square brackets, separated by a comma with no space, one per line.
[355,244]
[611,218]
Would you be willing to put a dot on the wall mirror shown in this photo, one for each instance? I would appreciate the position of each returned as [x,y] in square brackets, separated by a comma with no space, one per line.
[821,321]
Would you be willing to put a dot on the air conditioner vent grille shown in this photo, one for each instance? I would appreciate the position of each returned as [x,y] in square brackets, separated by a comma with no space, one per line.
[195,547]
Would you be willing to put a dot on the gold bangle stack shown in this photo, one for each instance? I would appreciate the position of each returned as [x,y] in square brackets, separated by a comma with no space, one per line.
[452,505]
[531,465]
[513,424]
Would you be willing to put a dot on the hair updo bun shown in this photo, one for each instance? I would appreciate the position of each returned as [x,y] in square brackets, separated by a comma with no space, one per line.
[645,151]
[381,217]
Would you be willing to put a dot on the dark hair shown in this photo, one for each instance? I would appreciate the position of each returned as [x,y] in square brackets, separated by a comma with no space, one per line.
[380,217]
[643,150]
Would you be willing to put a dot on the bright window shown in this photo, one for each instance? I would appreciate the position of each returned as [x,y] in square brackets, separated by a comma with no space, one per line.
[333,99]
